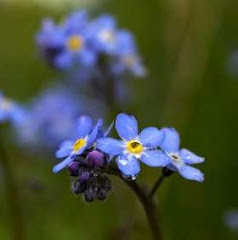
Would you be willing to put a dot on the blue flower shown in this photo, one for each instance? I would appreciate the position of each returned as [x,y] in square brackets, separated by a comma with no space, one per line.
[67,44]
[134,146]
[85,136]
[180,160]
[10,111]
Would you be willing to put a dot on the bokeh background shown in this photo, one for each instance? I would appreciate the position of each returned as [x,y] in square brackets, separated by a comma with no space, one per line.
[188,47]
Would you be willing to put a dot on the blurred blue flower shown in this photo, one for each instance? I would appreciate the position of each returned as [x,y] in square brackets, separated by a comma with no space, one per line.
[180,160]
[68,42]
[85,136]
[231,220]
[51,117]
[134,146]
[10,111]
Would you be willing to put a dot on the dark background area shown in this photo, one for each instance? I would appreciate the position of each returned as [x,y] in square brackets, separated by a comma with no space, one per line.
[186,45]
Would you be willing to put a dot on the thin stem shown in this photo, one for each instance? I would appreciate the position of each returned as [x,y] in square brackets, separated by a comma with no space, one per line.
[156,186]
[12,195]
[147,203]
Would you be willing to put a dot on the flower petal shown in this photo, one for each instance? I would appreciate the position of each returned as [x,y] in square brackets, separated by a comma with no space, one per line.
[151,137]
[93,135]
[189,157]
[155,158]
[83,126]
[171,141]
[191,173]
[63,61]
[128,166]
[64,149]
[126,126]
[63,164]
[110,146]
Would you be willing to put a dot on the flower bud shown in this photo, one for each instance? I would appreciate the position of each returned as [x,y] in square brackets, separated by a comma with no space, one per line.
[78,187]
[96,159]
[90,194]
[74,168]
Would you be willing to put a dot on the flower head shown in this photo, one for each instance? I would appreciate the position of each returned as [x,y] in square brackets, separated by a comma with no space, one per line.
[134,146]
[180,159]
[67,44]
[85,136]
[10,111]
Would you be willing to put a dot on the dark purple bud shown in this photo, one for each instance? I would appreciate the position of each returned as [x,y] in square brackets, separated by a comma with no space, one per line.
[78,187]
[90,193]
[74,168]
[101,194]
[85,176]
[96,159]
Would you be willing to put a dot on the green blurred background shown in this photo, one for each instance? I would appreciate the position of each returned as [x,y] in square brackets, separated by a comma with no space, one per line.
[186,45]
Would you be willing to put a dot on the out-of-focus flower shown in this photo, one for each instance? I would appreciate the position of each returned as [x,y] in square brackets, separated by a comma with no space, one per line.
[231,220]
[68,42]
[80,43]
[51,117]
[134,146]
[232,64]
[10,111]
[85,136]
[180,160]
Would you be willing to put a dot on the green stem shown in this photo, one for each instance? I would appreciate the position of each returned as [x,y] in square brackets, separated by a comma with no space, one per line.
[156,186]
[12,197]
[147,203]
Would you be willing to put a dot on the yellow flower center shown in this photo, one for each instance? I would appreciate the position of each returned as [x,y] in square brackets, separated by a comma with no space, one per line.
[79,144]
[75,43]
[134,147]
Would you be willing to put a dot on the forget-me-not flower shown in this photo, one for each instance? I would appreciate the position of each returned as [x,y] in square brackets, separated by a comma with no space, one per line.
[10,111]
[85,136]
[180,159]
[134,146]
[70,39]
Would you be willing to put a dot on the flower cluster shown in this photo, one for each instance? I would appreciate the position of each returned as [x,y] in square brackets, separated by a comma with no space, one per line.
[91,151]
[81,42]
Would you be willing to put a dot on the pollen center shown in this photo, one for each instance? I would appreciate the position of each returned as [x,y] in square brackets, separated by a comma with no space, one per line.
[79,144]
[175,157]
[75,43]
[134,147]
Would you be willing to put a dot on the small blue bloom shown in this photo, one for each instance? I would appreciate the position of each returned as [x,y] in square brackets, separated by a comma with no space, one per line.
[134,146]
[85,136]
[180,160]
[67,44]
[10,111]
[231,220]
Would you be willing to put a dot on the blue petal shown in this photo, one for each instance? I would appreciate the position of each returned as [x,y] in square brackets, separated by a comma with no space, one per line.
[110,146]
[171,141]
[63,61]
[65,149]
[189,157]
[155,158]
[63,164]
[151,137]
[83,126]
[191,173]
[126,126]
[128,166]
[94,133]
[87,57]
